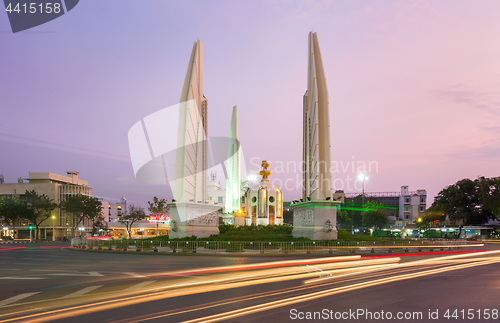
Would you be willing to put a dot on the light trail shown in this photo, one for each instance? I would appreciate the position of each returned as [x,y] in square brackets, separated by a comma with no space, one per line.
[397,269]
[270,275]
[334,291]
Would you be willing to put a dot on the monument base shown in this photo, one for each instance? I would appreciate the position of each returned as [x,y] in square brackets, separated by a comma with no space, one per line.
[193,219]
[315,220]
[239,221]
[227,219]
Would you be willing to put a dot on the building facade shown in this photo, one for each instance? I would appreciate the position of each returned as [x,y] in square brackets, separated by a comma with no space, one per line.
[58,188]
[412,205]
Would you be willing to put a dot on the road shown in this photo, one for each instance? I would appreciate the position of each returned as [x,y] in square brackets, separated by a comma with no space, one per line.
[53,283]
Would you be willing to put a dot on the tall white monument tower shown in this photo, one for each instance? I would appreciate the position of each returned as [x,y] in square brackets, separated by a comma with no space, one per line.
[191,164]
[315,216]
[233,181]
[317,179]
[191,214]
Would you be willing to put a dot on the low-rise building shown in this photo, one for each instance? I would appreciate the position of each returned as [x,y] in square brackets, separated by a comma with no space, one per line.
[412,205]
[56,187]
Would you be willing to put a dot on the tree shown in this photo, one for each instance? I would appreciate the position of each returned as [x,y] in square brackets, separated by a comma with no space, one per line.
[352,214]
[375,219]
[98,223]
[133,215]
[157,207]
[431,219]
[12,209]
[470,201]
[39,208]
[82,206]
[343,218]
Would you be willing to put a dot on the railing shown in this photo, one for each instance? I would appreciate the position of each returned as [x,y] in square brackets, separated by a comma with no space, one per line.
[253,247]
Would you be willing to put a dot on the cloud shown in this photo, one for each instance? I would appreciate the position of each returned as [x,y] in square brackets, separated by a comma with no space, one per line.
[489,152]
[470,97]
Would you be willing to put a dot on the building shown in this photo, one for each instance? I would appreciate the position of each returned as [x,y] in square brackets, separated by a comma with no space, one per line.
[58,188]
[412,205]
[402,207]
[390,201]
[216,194]
[112,211]
[140,229]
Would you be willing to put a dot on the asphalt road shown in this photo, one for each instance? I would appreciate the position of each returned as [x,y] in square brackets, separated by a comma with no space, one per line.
[57,284]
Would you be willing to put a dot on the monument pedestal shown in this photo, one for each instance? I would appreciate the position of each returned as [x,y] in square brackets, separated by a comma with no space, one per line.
[193,219]
[315,220]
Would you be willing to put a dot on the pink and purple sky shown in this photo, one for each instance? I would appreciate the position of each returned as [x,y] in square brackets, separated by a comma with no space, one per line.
[414,87]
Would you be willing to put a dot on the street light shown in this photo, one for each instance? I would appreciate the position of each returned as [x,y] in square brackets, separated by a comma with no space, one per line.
[53,228]
[362,177]
[30,227]
[419,220]
[81,229]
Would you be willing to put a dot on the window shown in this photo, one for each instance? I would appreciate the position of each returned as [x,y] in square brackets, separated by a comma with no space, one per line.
[271,209]
[422,208]
[271,199]
[422,200]
[254,199]
[407,200]
[407,208]
[254,209]
[407,216]
[220,199]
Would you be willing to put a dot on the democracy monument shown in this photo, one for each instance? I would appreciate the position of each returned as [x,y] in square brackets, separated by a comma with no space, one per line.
[315,216]
[186,166]
[190,213]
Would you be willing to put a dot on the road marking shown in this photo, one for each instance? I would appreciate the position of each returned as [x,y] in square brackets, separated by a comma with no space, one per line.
[21,277]
[135,275]
[83,291]
[47,270]
[60,286]
[95,273]
[89,274]
[140,285]
[16,298]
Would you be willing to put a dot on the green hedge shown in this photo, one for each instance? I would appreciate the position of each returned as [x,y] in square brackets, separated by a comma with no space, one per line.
[263,233]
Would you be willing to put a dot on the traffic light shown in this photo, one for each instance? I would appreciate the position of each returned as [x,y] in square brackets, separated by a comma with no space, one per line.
[30,227]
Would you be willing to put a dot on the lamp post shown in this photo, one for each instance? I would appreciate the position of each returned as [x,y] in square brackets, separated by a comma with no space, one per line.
[363,178]
[30,227]
[53,228]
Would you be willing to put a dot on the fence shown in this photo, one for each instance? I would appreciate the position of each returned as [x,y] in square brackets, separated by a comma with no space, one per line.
[245,247]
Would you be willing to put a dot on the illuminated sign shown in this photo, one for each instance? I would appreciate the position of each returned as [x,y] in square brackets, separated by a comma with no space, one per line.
[159,218]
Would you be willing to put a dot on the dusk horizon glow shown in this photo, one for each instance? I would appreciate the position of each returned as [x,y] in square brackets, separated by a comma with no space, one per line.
[413,88]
